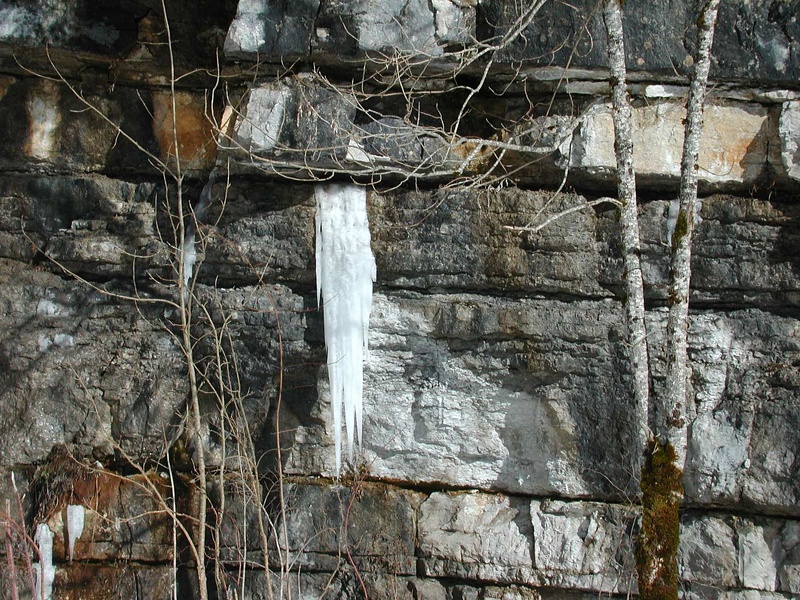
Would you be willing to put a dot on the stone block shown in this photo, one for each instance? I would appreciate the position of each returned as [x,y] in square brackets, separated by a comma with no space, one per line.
[476,536]
[707,554]
[47,128]
[734,147]
[741,443]
[374,523]
[287,125]
[514,415]
[757,546]
[549,544]
[271,28]
[754,40]
[275,28]
[584,545]
[521,416]
[747,556]
[125,518]
[82,370]
[789,132]
[74,24]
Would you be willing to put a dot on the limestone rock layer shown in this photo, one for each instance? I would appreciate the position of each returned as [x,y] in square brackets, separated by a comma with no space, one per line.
[498,456]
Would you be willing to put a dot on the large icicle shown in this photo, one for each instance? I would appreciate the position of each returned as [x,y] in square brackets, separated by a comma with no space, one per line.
[345,272]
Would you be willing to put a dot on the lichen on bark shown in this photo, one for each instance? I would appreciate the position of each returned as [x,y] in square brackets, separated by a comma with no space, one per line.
[657,547]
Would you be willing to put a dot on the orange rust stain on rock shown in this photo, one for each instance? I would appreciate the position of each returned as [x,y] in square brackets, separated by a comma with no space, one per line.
[113,505]
[191,125]
[79,581]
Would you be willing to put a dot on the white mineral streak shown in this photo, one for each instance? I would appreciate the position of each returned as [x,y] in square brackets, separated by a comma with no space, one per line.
[44,118]
[44,571]
[345,272]
[75,519]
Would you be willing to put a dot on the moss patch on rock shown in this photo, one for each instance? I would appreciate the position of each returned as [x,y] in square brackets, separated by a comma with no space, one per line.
[657,547]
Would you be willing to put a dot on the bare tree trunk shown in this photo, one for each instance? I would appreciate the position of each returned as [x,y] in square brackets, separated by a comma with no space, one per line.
[662,474]
[673,416]
[634,286]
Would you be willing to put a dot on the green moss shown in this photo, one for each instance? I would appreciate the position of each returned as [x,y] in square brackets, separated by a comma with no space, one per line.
[657,547]
[673,299]
[681,229]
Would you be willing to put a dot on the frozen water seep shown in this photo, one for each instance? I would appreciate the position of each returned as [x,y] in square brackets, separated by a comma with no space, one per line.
[198,217]
[345,273]
[44,571]
[76,515]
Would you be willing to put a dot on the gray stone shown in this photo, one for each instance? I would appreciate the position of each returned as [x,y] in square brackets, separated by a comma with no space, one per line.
[427,589]
[82,367]
[117,29]
[512,415]
[742,438]
[347,27]
[272,28]
[69,24]
[707,553]
[455,21]
[476,536]
[305,125]
[758,568]
[789,570]
[88,224]
[498,363]
[734,147]
[286,126]
[753,41]
[375,524]
[343,584]
[584,545]
[57,389]
[454,241]
[761,271]
[421,240]
[733,553]
[515,415]
[276,28]
[789,132]
[575,545]
[510,592]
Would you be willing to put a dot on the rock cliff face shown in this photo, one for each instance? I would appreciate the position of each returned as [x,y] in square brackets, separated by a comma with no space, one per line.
[499,457]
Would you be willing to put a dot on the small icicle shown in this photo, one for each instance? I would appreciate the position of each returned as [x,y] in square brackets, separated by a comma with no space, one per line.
[345,273]
[75,519]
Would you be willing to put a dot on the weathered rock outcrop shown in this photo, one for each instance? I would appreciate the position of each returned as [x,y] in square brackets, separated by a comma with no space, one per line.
[498,457]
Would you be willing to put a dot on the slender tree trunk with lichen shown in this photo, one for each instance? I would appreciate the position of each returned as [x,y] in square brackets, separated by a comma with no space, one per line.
[629,221]
[662,475]
[651,553]
[665,456]
[672,419]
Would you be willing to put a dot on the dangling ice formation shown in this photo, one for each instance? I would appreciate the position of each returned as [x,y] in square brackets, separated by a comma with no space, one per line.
[345,272]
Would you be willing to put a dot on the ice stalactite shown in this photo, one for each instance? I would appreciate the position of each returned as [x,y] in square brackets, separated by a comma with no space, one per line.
[76,516]
[345,273]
